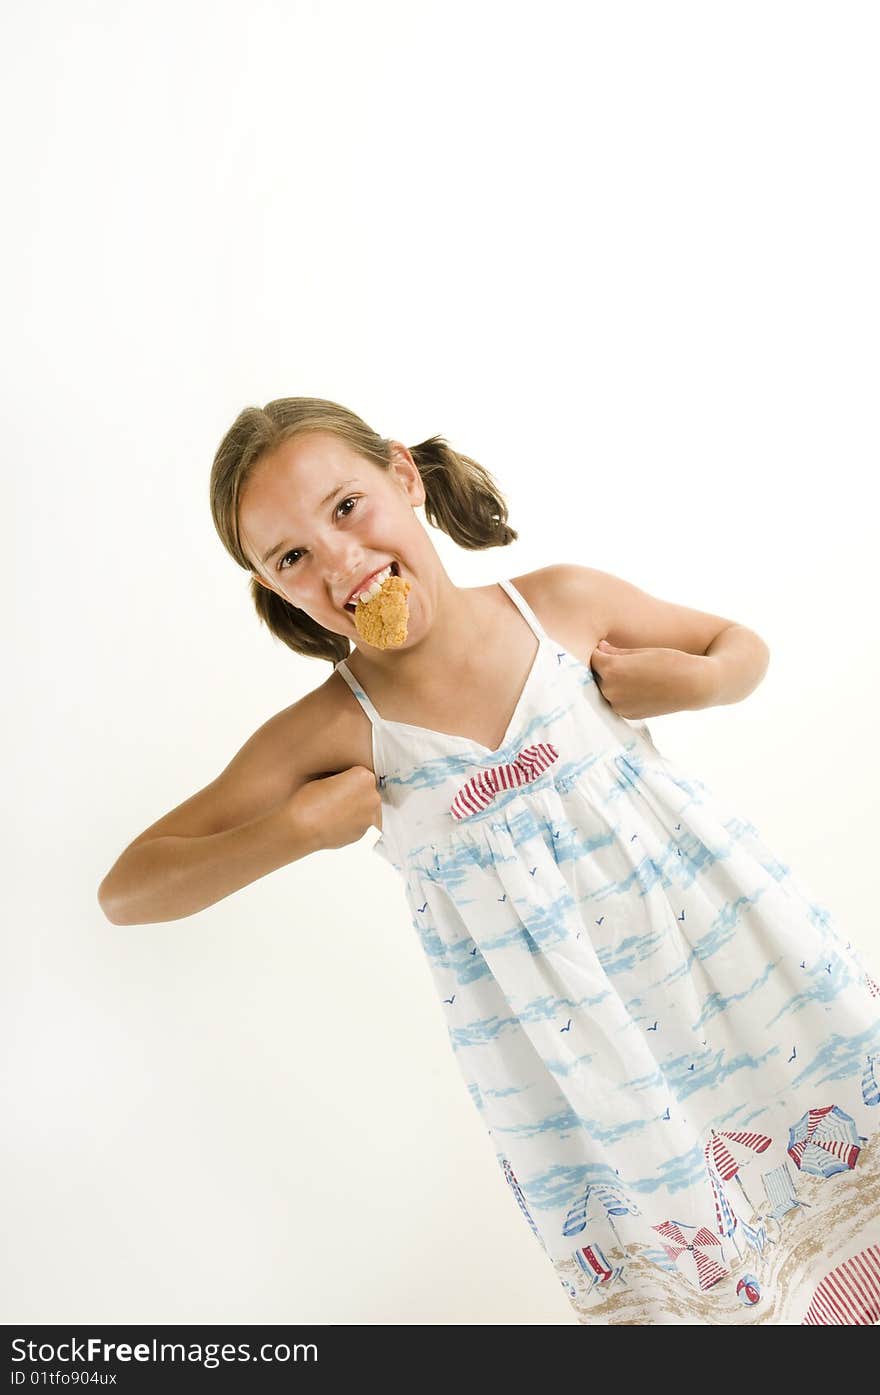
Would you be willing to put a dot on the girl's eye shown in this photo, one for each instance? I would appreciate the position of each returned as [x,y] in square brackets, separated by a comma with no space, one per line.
[281,567]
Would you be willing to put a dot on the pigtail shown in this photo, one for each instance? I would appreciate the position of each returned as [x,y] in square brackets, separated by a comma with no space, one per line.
[461,496]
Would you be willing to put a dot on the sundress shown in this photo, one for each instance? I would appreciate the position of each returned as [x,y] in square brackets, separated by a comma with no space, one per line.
[675,1051]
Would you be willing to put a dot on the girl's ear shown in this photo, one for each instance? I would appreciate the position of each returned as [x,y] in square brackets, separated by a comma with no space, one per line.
[408,476]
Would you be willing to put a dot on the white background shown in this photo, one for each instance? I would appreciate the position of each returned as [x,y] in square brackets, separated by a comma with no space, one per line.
[625,255]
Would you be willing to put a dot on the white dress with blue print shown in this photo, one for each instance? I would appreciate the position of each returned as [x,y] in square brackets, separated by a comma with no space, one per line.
[675,1051]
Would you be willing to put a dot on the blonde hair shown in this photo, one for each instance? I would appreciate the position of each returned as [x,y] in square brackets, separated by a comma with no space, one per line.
[461,498]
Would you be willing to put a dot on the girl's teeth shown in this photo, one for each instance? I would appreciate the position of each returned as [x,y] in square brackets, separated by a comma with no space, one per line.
[375,586]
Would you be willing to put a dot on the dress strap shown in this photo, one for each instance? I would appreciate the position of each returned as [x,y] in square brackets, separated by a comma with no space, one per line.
[525,609]
[342,669]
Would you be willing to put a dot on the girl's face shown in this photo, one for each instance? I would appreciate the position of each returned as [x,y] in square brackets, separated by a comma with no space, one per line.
[316,518]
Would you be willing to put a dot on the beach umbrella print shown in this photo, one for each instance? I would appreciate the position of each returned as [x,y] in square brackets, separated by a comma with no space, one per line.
[870,1087]
[718,1153]
[726,1220]
[824,1141]
[701,1251]
[614,1202]
[515,1187]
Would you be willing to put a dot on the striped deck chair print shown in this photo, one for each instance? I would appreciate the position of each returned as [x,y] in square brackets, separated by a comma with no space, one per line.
[593,1262]
[850,1295]
[781,1194]
[756,1235]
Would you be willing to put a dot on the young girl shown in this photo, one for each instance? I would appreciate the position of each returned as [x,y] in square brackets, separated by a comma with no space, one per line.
[674,1050]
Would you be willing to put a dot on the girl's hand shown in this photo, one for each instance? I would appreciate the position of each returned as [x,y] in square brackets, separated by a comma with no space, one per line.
[338,809]
[651,682]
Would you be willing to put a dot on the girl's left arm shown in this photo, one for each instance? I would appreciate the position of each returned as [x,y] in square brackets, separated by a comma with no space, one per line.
[740,659]
[657,657]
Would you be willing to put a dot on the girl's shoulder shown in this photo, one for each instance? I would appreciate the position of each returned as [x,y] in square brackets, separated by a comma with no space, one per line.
[556,586]
[561,598]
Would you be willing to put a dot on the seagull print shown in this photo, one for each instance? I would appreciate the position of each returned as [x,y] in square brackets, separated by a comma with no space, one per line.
[422,909]
[503,898]
[793,1053]
[474,950]
[532,871]
[666,1115]
[566,1028]
[449,1000]
[654,1028]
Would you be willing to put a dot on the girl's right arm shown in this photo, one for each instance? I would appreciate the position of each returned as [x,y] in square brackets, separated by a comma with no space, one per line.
[273,804]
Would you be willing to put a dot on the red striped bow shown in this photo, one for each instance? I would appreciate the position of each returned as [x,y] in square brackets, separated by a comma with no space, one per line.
[481,789]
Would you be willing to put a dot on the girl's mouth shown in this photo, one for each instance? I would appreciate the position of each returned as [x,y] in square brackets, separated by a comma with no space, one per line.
[352,605]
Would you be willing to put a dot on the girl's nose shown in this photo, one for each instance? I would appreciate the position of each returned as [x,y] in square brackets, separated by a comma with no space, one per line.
[342,566]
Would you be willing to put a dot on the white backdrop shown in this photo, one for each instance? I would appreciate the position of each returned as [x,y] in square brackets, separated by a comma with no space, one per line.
[623,255]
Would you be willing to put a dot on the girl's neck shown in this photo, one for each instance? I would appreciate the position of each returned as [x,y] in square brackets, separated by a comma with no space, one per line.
[454,644]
